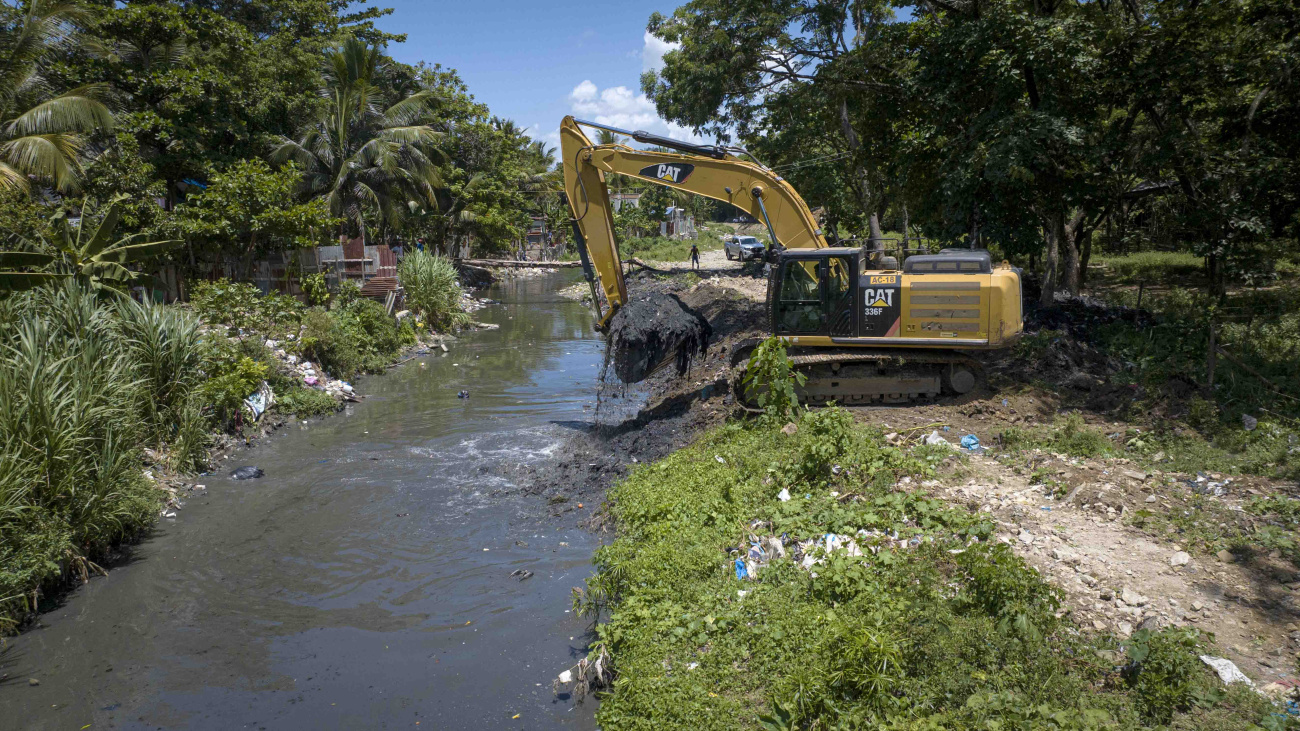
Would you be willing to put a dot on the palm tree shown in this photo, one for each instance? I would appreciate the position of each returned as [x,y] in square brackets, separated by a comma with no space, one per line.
[363,158]
[42,133]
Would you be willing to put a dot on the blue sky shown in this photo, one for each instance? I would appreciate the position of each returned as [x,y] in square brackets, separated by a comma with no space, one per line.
[535,62]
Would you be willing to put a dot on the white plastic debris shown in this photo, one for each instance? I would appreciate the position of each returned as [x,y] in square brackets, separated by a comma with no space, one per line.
[784,495]
[719,458]
[566,676]
[934,438]
[1227,670]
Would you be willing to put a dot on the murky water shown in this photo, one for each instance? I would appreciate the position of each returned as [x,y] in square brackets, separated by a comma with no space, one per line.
[365,581]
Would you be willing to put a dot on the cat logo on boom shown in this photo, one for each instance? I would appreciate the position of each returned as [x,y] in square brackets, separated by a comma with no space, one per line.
[676,173]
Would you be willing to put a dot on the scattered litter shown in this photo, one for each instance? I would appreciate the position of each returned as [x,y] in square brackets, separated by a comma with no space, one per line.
[247,473]
[260,401]
[741,572]
[934,438]
[971,442]
[719,459]
[783,496]
[1004,402]
[463,394]
[521,574]
[1227,670]
[1202,485]
[566,676]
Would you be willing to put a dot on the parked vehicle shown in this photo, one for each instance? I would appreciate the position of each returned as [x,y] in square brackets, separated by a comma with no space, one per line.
[743,248]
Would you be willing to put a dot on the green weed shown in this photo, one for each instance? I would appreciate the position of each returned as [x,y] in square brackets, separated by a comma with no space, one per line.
[432,291]
[942,633]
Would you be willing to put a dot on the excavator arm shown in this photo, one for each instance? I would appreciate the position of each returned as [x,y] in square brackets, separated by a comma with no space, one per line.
[710,171]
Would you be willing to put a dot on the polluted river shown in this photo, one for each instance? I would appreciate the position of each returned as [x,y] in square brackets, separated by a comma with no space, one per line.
[366,580]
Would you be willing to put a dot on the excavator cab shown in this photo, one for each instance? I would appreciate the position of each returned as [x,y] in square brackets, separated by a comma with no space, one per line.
[811,292]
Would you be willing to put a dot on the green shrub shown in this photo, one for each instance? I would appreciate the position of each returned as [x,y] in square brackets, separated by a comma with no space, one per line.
[1074,437]
[1165,671]
[244,309]
[226,387]
[770,379]
[315,289]
[305,402]
[432,291]
[353,338]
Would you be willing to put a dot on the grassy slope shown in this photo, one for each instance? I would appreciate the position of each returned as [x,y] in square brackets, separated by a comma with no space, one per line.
[941,635]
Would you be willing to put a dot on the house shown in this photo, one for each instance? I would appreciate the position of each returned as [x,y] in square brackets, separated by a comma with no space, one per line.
[679,224]
[618,200]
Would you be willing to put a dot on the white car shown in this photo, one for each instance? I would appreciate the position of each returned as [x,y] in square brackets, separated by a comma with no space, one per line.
[743,248]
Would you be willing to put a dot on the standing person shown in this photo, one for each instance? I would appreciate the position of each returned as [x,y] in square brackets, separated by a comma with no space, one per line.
[419,243]
[398,252]
[695,256]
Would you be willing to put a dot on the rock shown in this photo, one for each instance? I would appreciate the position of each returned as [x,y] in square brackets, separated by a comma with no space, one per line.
[791,428]
[1151,623]
[1249,422]
[1135,475]
[1151,498]
[1098,624]
[1125,629]
[1064,554]
[33,681]
[1225,556]
[1180,558]
[1026,537]
[1106,595]
[247,473]
[1132,598]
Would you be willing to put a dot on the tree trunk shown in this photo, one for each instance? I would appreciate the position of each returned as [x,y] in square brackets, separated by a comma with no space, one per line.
[975,242]
[248,256]
[1068,253]
[865,197]
[906,228]
[1052,228]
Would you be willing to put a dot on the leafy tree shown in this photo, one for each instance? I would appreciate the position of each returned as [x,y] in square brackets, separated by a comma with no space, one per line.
[250,209]
[359,157]
[42,133]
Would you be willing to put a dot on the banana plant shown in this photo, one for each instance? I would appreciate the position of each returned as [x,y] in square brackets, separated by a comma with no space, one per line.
[93,257]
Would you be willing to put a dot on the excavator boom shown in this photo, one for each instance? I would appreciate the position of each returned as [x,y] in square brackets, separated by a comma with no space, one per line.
[711,171]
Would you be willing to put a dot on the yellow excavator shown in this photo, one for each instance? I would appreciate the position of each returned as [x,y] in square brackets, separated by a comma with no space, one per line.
[861,327]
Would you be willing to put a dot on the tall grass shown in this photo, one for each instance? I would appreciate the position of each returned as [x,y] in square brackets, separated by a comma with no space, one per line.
[85,384]
[432,290]
[1154,267]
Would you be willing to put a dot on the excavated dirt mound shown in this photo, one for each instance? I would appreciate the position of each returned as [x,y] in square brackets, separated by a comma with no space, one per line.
[651,329]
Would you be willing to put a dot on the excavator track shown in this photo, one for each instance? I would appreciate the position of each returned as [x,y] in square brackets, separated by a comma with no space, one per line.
[862,376]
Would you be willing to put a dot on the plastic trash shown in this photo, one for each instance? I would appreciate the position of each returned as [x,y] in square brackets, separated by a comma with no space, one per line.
[247,473]
[934,438]
[1227,670]
[260,401]
[1004,402]
[783,496]
[741,573]
[463,394]
[311,380]
[971,442]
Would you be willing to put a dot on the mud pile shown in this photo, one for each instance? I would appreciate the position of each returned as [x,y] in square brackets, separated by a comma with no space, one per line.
[649,330]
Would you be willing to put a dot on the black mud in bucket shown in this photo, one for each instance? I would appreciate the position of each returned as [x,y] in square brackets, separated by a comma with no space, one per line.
[647,332]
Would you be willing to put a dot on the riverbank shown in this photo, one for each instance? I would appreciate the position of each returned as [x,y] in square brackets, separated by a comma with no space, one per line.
[335,591]
[138,400]
[1089,505]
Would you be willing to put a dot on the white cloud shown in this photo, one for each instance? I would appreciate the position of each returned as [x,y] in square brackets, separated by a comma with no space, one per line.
[619,106]
[653,50]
